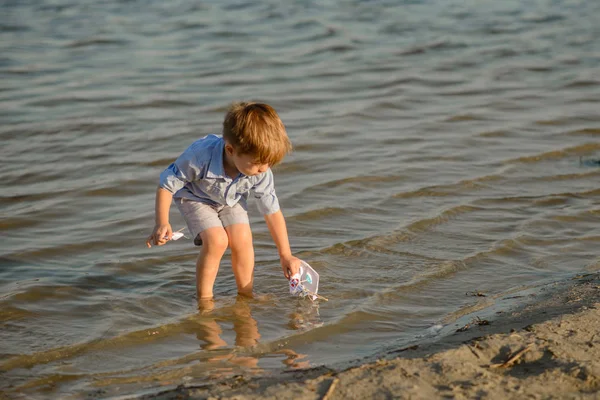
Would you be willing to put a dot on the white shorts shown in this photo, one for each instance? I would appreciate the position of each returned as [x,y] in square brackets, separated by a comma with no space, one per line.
[200,216]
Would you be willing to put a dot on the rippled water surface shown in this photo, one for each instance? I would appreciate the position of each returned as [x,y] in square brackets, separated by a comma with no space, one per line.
[441,147]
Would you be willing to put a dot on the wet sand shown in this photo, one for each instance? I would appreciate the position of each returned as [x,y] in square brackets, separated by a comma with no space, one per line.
[545,350]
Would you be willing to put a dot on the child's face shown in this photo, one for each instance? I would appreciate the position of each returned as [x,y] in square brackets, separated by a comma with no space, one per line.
[248,165]
[245,163]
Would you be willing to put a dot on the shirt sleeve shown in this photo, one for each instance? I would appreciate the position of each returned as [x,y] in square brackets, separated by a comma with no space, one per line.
[185,169]
[264,192]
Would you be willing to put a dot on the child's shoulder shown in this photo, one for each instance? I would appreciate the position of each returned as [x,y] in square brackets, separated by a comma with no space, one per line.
[208,141]
[205,145]
[203,150]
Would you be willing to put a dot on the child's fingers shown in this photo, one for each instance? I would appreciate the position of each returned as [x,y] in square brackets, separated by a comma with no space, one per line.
[164,234]
[160,239]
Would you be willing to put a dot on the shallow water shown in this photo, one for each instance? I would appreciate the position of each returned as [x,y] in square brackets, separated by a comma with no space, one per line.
[437,152]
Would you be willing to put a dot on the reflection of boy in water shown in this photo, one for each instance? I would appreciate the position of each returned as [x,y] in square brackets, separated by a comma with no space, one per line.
[244,326]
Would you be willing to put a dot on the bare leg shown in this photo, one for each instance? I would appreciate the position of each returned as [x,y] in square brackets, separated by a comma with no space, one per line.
[214,244]
[242,257]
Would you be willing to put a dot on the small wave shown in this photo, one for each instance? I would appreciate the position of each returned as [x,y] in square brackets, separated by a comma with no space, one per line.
[427,47]
[585,132]
[11,313]
[29,198]
[162,103]
[379,244]
[24,70]
[447,215]
[161,162]
[568,177]
[65,250]
[113,191]
[320,213]
[550,122]
[540,19]
[143,265]
[582,84]
[360,181]
[306,24]
[96,42]
[27,178]
[65,101]
[495,134]
[450,189]
[17,223]
[13,28]
[229,34]
[29,132]
[463,117]
[42,293]
[528,199]
[93,127]
[425,192]
[417,81]
[434,271]
[471,92]
[191,25]
[331,48]
[557,154]
[501,52]
[325,34]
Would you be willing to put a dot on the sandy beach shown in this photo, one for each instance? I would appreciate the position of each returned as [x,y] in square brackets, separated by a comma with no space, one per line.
[549,349]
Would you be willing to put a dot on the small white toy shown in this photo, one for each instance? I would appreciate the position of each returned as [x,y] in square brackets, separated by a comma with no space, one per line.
[306,283]
[177,235]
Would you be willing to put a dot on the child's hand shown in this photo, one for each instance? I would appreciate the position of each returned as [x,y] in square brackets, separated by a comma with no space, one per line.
[290,266]
[160,235]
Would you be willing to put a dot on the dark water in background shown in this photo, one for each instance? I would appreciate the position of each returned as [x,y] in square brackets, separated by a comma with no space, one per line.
[437,151]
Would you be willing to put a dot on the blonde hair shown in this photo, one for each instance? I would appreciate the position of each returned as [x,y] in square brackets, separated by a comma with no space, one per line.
[255,128]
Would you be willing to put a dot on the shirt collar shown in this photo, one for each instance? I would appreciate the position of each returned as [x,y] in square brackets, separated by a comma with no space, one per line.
[215,167]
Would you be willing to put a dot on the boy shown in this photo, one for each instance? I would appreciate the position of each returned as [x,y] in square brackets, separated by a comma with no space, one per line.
[210,183]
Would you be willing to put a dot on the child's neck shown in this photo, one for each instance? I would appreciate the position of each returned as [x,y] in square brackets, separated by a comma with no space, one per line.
[229,167]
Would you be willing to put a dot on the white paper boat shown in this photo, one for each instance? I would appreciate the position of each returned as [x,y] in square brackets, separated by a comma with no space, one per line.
[305,282]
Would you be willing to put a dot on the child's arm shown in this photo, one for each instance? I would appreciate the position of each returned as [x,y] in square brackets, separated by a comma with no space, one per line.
[174,177]
[278,229]
[162,229]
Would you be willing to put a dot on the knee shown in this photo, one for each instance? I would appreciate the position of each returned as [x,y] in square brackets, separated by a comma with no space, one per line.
[241,241]
[215,241]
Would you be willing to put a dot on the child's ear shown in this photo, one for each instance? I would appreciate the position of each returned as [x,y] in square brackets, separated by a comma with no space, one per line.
[229,149]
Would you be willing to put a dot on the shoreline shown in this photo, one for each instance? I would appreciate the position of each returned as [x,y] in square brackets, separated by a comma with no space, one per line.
[545,348]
